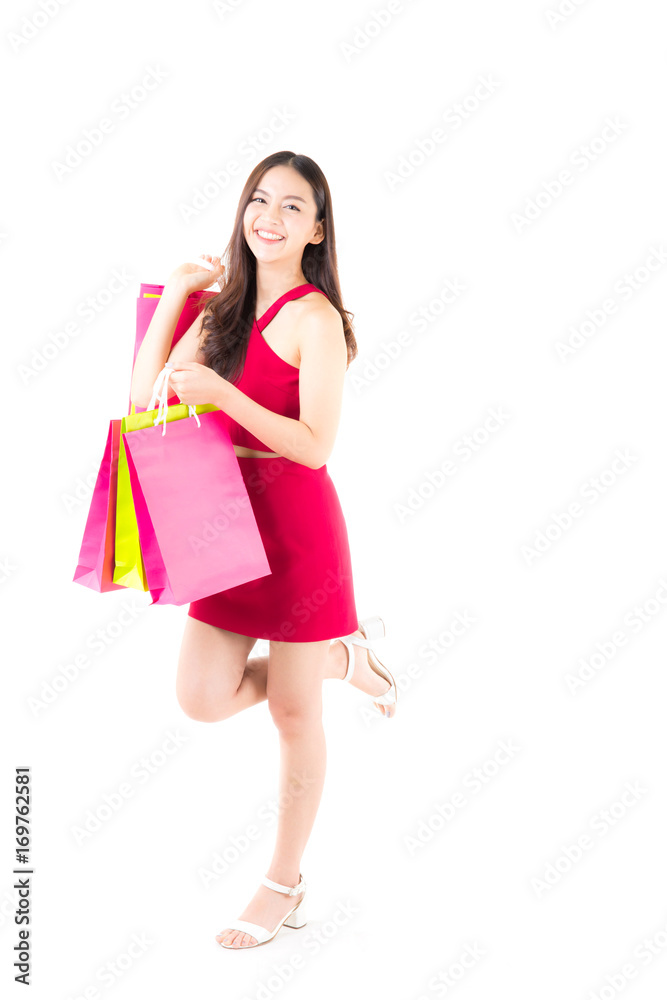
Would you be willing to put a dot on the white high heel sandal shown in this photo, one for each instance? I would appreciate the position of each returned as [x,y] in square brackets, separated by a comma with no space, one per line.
[295,917]
[371,629]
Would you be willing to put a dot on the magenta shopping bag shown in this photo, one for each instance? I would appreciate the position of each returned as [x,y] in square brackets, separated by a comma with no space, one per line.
[193,506]
[149,296]
[151,557]
[96,558]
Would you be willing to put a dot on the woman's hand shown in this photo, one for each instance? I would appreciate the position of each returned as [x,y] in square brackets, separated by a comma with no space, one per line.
[196,279]
[197,384]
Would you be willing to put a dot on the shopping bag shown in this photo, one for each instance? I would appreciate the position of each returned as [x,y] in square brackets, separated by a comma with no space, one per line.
[156,573]
[129,569]
[111,554]
[95,567]
[194,494]
[149,296]
[138,561]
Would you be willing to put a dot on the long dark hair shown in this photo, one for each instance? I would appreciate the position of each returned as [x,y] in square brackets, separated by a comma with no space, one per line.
[229,316]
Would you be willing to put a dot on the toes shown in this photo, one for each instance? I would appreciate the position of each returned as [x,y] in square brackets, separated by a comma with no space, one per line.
[227,936]
[236,939]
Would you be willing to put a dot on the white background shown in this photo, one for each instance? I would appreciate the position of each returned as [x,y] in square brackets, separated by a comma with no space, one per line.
[394,918]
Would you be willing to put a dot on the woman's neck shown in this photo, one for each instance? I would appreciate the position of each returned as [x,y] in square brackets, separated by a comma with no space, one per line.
[270,286]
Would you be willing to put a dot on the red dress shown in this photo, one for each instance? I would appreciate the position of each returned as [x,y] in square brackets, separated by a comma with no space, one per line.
[309,594]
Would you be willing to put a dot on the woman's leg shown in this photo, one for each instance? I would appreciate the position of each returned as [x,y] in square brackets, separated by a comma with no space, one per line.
[294,689]
[216,678]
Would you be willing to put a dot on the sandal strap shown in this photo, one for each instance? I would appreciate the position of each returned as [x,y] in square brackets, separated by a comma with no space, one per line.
[291,890]
[257,931]
[350,656]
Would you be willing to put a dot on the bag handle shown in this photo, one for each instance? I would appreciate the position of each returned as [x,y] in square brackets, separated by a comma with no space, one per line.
[160,393]
[209,267]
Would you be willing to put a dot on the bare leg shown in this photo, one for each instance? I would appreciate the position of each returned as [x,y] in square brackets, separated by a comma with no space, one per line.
[217,678]
[294,687]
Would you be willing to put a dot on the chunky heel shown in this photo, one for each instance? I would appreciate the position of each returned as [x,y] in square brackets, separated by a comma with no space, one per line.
[372,628]
[262,934]
[298,918]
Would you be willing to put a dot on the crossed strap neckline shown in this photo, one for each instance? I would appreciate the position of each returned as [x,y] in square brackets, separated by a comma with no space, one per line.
[261,323]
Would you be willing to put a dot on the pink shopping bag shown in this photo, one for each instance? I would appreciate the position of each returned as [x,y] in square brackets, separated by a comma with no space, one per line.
[96,558]
[192,500]
[154,567]
[149,296]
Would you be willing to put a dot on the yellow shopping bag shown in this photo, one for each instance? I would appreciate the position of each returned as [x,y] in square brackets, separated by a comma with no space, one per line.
[129,569]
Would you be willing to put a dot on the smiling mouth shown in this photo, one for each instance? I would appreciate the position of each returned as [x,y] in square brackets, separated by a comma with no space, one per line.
[269,238]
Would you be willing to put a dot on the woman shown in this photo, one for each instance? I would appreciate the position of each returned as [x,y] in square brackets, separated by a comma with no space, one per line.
[281,390]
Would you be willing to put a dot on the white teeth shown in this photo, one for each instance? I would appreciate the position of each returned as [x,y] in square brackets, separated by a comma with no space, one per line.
[268,236]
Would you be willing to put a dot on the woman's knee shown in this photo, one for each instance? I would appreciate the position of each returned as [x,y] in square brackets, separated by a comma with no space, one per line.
[195,704]
[210,668]
[293,717]
[202,698]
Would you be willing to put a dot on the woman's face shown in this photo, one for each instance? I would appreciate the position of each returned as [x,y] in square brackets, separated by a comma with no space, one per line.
[282,207]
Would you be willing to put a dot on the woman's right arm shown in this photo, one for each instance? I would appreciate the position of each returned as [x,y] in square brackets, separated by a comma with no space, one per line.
[156,345]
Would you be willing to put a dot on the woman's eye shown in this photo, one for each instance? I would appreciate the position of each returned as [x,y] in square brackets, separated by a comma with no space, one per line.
[259,198]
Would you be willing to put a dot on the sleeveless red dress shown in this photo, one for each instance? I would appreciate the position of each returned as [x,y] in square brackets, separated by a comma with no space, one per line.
[309,594]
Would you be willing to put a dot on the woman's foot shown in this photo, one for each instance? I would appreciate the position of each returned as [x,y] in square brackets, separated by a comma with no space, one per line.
[364,677]
[266,908]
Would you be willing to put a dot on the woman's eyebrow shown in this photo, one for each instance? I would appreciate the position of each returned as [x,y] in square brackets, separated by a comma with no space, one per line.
[294,197]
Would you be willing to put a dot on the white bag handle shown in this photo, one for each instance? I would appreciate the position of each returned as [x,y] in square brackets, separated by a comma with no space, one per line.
[201,262]
[160,393]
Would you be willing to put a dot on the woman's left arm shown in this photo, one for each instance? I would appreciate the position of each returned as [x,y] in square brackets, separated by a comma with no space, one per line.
[308,440]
